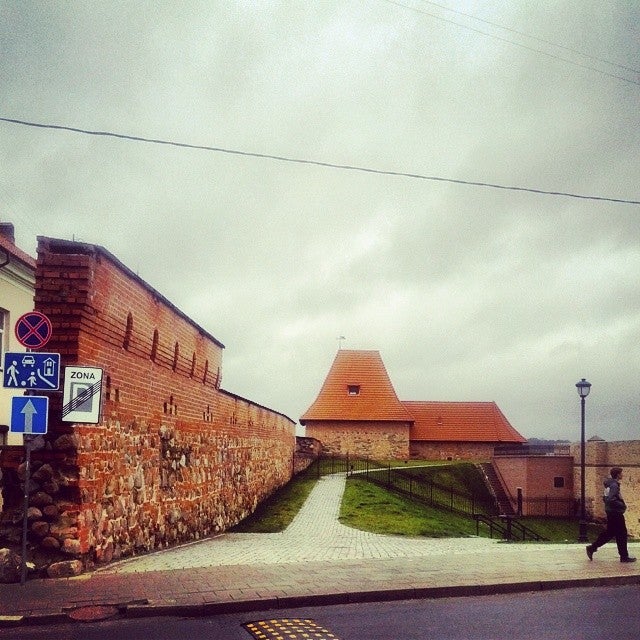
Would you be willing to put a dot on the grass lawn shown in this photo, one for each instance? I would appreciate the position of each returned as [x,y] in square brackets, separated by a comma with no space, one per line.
[276,512]
[370,508]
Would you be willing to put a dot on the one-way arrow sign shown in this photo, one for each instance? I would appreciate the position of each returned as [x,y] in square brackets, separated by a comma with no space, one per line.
[29,414]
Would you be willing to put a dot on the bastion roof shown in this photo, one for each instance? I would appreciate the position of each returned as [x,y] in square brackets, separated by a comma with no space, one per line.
[357,388]
[460,421]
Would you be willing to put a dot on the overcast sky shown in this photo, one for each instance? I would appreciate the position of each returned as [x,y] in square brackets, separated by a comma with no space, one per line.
[469,293]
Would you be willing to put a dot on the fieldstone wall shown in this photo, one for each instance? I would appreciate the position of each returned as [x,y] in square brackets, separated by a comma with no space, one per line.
[174,457]
[600,456]
[307,451]
[451,450]
[377,440]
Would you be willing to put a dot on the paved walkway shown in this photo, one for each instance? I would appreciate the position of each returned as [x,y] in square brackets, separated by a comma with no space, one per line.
[316,560]
[314,535]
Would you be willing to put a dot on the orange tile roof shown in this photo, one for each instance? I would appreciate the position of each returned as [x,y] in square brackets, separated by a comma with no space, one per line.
[460,421]
[376,398]
[15,253]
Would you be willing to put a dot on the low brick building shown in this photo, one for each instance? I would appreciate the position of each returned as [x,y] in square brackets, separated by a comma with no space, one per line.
[174,457]
[538,485]
[357,412]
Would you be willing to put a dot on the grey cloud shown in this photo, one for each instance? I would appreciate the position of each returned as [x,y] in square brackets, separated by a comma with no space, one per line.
[469,293]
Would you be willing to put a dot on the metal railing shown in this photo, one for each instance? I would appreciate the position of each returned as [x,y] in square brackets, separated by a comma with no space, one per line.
[430,492]
[507,526]
[485,510]
[404,481]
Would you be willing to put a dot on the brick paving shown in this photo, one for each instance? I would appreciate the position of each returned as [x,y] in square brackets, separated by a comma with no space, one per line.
[316,560]
[314,535]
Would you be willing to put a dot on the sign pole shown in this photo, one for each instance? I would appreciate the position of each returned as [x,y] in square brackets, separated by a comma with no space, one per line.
[27,478]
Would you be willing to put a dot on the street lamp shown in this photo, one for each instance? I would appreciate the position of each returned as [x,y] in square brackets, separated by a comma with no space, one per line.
[583,391]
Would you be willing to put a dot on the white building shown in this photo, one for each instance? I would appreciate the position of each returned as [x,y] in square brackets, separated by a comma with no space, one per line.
[17,283]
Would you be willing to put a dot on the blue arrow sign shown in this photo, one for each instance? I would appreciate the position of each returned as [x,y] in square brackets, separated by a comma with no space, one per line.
[32,371]
[29,414]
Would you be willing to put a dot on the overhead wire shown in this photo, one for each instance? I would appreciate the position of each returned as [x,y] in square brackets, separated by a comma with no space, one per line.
[532,37]
[516,44]
[318,163]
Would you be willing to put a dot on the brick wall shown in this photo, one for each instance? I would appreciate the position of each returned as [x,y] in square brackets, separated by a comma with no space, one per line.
[600,456]
[542,479]
[451,450]
[175,457]
[377,440]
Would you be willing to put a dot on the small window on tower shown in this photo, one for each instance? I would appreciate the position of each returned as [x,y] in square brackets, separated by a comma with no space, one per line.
[354,389]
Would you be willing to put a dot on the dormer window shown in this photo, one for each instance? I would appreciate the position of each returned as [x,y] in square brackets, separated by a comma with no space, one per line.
[353,389]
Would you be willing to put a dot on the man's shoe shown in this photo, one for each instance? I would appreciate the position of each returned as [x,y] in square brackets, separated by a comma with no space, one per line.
[627,559]
[590,551]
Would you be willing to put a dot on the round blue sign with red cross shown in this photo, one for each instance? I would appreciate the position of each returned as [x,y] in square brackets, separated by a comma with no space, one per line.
[33,330]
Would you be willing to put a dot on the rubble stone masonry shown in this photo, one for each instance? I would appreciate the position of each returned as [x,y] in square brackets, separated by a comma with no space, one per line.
[600,456]
[174,457]
[377,440]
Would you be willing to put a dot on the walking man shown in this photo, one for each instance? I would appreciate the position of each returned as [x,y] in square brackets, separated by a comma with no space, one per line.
[615,506]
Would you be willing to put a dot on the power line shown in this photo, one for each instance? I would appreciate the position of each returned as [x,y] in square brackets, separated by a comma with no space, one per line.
[537,38]
[317,163]
[516,44]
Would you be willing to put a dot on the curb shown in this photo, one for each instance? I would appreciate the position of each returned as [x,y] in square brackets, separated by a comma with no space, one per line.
[141,610]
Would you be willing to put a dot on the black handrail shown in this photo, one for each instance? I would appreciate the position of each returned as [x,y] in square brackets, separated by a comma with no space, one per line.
[508,526]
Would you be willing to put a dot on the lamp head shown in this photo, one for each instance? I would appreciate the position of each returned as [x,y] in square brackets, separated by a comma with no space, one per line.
[583,388]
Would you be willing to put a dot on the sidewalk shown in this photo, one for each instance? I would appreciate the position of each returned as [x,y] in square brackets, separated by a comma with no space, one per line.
[315,561]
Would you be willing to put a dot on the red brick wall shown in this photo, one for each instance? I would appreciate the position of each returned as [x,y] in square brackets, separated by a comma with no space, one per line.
[377,440]
[535,476]
[174,458]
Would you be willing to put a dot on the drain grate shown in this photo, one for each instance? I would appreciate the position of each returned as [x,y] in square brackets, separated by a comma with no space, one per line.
[288,629]
[93,613]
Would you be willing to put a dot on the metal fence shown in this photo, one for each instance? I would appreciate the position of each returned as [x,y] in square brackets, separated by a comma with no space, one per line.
[427,491]
[403,481]
[548,507]
[430,492]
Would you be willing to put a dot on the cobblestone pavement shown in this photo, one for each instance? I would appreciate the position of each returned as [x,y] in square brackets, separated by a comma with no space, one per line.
[314,534]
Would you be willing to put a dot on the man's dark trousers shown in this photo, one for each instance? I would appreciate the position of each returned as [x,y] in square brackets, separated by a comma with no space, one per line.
[616,528]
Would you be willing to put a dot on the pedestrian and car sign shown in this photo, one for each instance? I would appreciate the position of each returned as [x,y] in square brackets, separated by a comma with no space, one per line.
[82,394]
[29,414]
[31,371]
[33,330]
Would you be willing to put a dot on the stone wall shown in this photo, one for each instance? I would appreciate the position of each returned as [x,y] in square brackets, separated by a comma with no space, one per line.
[376,440]
[421,450]
[307,451]
[600,456]
[173,458]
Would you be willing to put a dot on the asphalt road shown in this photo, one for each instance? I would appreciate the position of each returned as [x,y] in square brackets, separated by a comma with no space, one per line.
[574,614]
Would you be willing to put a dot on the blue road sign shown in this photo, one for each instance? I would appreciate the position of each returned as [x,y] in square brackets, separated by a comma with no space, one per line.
[32,371]
[29,414]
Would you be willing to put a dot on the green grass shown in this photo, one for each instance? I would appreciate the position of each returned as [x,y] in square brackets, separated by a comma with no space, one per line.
[368,507]
[276,512]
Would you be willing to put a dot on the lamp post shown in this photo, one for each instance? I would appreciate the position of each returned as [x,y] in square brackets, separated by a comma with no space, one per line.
[583,391]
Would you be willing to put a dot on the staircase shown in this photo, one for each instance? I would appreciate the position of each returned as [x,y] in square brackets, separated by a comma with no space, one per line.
[496,488]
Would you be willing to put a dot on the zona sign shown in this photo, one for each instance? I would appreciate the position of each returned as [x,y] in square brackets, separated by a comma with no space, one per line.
[33,330]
